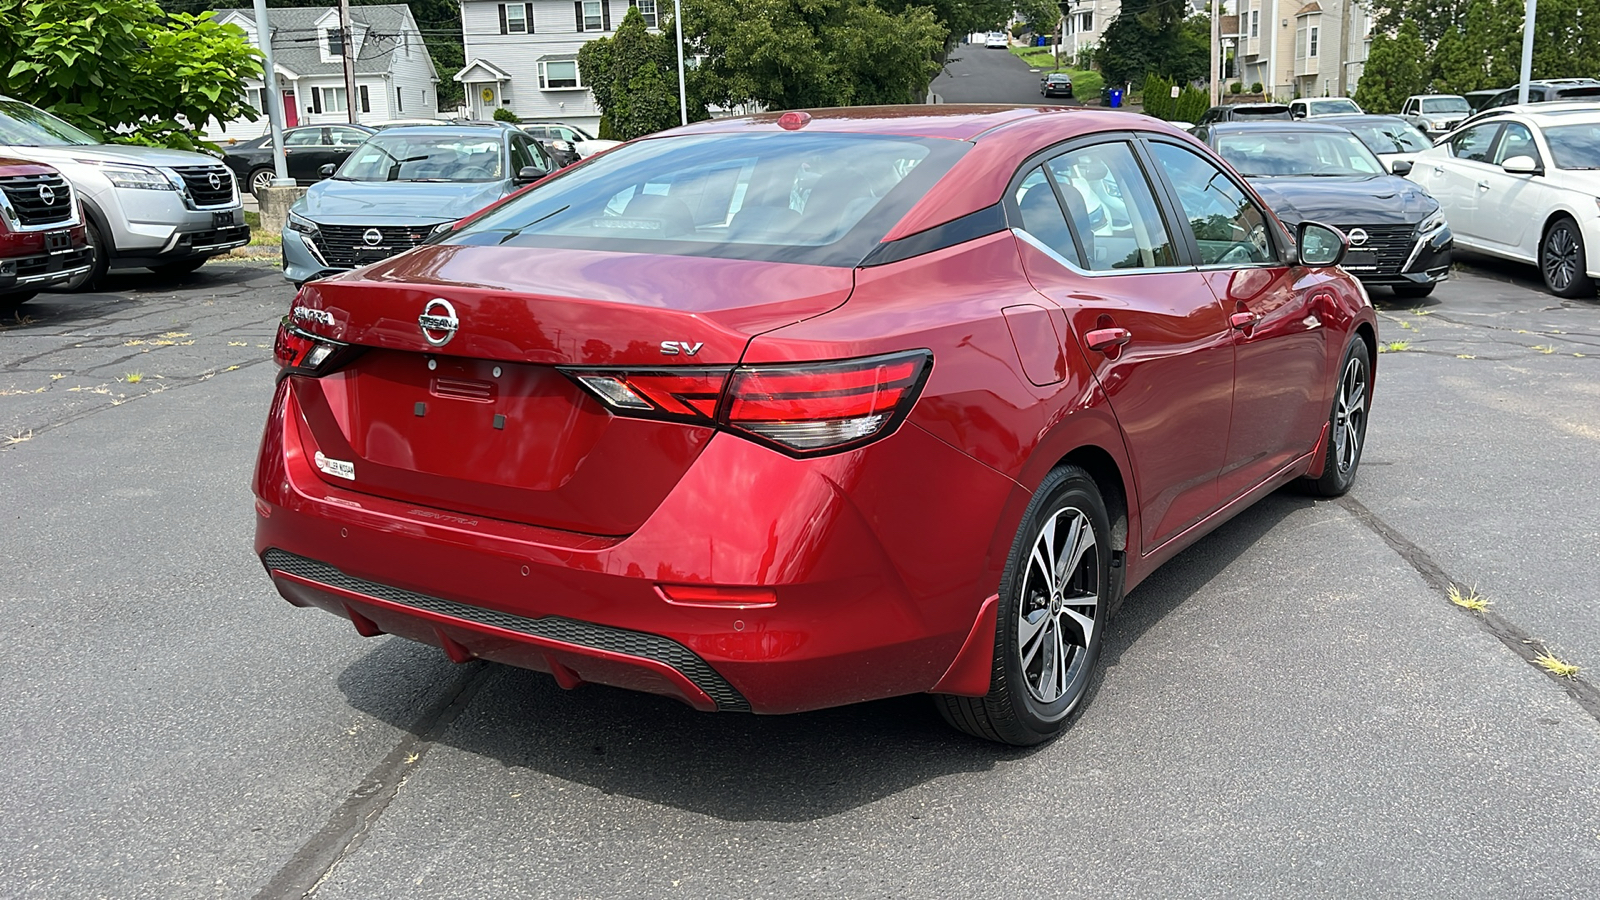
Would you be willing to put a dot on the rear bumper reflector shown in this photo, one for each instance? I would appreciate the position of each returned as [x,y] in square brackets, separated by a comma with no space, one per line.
[552,628]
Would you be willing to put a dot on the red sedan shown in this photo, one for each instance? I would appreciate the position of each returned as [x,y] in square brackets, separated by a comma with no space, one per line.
[792,411]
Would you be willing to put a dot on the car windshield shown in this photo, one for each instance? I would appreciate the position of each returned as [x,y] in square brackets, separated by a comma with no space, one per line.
[22,125]
[425,157]
[1333,107]
[1316,153]
[1575,146]
[1390,137]
[822,199]
[1446,105]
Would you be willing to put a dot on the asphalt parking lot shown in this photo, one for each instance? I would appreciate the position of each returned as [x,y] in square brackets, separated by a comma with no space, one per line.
[1290,708]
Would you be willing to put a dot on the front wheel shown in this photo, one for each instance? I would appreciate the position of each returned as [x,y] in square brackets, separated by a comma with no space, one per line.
[1562,261]
[261,179]
[1347,424]
[1055,594]
[99,261]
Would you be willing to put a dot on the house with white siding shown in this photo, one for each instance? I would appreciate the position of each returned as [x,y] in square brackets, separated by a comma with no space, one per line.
[523,56]
[394,73]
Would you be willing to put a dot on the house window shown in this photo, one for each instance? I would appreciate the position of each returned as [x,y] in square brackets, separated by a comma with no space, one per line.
[647,9]
[515,18]
[332,99]
[335,41]
[1088,22]
[253,96]
[1314,30]
[556,75]
[1255,23]
[366,99]
[399,100]
[593,15]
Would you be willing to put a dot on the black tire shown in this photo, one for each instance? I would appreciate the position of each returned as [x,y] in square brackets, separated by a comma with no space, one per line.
[1347,424]
[260,177]
[1033,695]
[1413,291]
[179,269]
[99,260]
[10,302]
[1562,260]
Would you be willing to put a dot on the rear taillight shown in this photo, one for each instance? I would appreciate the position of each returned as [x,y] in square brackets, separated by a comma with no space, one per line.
[805,409]
[301,353]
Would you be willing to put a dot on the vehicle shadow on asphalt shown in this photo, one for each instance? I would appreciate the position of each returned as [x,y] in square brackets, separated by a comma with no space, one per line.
[53,308]
[735,767]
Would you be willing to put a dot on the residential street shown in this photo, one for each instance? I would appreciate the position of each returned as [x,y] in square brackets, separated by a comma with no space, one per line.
[976,75]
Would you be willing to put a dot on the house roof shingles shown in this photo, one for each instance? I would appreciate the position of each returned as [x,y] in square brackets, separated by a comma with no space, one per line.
[296,40]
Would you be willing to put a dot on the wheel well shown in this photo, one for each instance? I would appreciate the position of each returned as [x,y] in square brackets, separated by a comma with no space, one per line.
[1555,217]
[1364,331]
[1108,478]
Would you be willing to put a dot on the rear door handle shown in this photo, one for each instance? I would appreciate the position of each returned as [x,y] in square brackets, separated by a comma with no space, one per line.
[1243,319]
[1106,338]
[1438,170]
[1483,185]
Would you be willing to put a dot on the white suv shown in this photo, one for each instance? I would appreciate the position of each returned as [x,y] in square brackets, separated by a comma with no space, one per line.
[147,207]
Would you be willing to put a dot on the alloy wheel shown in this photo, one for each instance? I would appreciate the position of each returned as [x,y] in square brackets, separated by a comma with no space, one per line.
[1560,258]
[1060,604]
[1350,414]
[260,182]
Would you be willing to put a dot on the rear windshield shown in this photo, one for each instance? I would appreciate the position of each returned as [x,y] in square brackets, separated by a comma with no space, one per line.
[1445,105]
[1333,107]
[1398,136]
[425,157]
[820,199]
[1575,146]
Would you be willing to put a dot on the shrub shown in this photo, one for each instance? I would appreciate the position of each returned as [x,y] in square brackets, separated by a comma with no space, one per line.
[1019,29]
[1236,88]
[501,114]
[1255,87]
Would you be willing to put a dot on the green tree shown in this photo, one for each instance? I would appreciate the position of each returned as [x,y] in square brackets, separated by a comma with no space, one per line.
[126,68]
[958,17]
[1154,36]
[788,54]
[634,77]
[1040,15]
[1396,68]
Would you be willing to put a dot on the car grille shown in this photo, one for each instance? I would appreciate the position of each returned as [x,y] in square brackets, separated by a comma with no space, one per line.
[198,180]
[24,192]
[1388,245]
[347,246]
[555,628]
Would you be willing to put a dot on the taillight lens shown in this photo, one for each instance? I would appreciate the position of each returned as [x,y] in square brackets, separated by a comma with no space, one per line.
[806,409]
[302,353]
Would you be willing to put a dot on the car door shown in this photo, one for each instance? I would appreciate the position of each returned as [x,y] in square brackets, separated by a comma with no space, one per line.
[1508,203]
[342,141]
[1452,177]
[301,152]
[1280,346]
[1156,339]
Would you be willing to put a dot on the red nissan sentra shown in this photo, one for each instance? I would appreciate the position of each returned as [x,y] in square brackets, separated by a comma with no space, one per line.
[792,411]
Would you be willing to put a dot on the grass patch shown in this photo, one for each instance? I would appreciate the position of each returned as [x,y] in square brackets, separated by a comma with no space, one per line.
[134,378]
[253,219]
[1394,347]
[1557,667]
[1469,600]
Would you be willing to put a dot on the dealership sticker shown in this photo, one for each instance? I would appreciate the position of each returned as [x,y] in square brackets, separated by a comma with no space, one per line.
[338,468]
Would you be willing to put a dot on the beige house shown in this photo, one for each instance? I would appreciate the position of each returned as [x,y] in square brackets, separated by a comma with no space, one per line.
[1294,48]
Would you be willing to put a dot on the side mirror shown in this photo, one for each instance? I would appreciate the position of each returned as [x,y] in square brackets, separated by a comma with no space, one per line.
[1400,167]
[1320,245]
[326,171]
[529,174]
[1522,165]
[1297,113]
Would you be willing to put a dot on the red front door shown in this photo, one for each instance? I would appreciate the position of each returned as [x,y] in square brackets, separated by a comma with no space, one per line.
[291,115]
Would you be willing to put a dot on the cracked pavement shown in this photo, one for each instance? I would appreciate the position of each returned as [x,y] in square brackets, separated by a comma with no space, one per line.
[1291,707]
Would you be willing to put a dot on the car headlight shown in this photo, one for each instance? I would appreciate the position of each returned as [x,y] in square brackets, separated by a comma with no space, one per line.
[132,177]
[443,227]
[302,225]
[1432,223]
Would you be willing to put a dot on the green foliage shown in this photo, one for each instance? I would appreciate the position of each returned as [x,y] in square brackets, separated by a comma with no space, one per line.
[1255,87]
[1086,85]
[1153,36]
[1477,44]
[1188,106]
[789,54]
[957,17]
[126,68]
[1236,88]
[634,77]
[501,114]
[1040,16]
[1396,68]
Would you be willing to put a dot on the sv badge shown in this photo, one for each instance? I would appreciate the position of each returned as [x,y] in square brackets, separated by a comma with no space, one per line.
[673,348]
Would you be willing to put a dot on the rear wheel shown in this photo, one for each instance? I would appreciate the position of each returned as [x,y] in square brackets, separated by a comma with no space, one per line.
[1413,290]
[1054,598]
[1562,261]
[1347,424]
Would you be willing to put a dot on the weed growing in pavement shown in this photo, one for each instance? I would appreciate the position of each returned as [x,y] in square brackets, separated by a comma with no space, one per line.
[1394,347]
[1465,356]
[1557,667]
[134,378]
[1404,324]
[18,438]
[1544,348]
[1422,312]
[1469,600]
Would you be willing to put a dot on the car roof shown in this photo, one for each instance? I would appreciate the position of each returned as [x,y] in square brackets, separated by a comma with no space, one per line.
[1441,96]
[463,128]
[953,121]
[1281,125]
[1576,113]
[1365,118]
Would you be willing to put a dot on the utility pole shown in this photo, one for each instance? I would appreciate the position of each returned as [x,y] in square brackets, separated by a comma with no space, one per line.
[272,98]
[1529,10]
[347,52]
[1216,47]
[683,96]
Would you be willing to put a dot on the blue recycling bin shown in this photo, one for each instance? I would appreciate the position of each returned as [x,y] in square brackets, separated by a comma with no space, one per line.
[1116,98]
[1040,42]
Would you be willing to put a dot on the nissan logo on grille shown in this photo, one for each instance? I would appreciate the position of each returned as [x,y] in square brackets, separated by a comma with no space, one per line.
[439,322]
[215,181]
[373,237]
[47,195]
[1358,236]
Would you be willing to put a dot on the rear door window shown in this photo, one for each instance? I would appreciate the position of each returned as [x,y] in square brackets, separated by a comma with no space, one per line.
[1042,217]
[1113,208]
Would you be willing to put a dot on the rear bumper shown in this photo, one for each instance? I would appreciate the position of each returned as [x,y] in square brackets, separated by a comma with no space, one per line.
[877,562]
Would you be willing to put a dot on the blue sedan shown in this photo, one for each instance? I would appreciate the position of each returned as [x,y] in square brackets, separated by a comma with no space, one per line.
[401,186]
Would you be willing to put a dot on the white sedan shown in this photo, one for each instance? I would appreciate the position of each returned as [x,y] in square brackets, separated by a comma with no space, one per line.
[996,41]
[1523,186]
